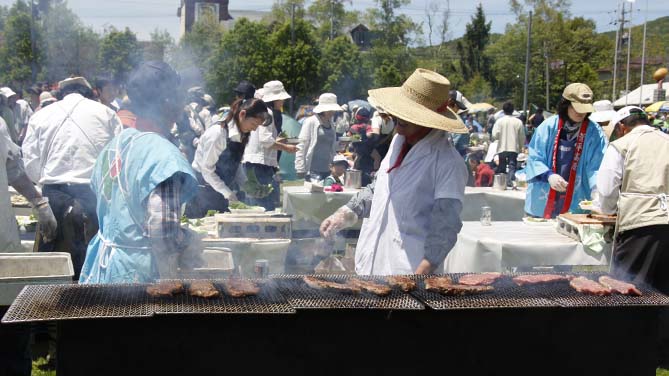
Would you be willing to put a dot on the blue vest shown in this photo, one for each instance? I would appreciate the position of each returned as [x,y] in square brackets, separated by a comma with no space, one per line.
[128,169]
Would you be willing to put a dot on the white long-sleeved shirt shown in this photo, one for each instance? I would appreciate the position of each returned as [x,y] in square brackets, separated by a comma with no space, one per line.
[510,133]
[213,143]
[260,148]
[64,139]
[610,178]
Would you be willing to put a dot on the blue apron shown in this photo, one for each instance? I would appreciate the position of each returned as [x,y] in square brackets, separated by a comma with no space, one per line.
[126,172]
[565,155]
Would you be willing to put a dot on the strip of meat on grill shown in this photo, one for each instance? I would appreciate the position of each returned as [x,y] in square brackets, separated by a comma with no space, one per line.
[369,286]
[165,288]
[404,283]
[620,287]
[537,279]
[589,287]
[320,284]
[479,279]
[203,289]
[239,288]
[445,286]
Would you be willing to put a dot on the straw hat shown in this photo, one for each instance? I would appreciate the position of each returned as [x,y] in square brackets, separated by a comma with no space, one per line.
[327,102]
[274,91]
[74,81]
[603,111]
[418,99]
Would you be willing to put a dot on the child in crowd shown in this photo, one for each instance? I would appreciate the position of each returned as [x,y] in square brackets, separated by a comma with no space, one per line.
[338,167]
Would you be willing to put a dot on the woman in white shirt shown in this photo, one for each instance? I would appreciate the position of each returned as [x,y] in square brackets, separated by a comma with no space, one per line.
[318,141]
[219,155]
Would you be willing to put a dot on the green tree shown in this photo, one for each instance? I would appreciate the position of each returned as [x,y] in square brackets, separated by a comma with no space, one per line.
[161,45]
[119,53]
[342,71]
[331,18]
[243,54]
[477,89]
[18,56]
[282,10]
[472,45]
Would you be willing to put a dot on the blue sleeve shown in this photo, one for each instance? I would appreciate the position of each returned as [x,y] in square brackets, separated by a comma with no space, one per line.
[540,154]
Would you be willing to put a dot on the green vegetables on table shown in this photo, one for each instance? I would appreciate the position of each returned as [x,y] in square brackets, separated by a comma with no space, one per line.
[239,206]
[253,188]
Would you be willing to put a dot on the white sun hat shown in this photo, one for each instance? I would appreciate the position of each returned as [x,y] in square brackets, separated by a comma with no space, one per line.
[274,91]
[327,102]
[604,111]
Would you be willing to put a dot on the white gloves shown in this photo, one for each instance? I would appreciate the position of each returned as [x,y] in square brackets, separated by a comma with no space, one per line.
[557,183]
[46,219]
[344,217]
[232,198]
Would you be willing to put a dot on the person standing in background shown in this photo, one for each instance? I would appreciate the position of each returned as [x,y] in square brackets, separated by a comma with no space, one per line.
[318,141]
[16,112]
[510,134]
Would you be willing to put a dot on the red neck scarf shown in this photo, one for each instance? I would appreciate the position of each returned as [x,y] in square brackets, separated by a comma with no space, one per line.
[406,146]
[552,196]
[130,120]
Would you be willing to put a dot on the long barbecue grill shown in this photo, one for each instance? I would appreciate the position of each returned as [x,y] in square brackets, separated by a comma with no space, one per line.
[551,329]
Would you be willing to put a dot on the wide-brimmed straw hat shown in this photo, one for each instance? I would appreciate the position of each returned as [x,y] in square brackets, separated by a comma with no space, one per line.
[274,91]
[604,111]
[327,102]
[418,100]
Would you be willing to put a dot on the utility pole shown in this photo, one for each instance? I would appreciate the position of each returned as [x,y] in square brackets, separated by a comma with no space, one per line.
[332,10]
[643,55]
[548,80]
[292,63]
[629,49]
[527,63]
[619,32]
[33,63]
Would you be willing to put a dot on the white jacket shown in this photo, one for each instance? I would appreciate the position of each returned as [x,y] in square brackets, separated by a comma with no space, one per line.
[510,132]
[64,139]
[260,147]
[305,149]
[10,168]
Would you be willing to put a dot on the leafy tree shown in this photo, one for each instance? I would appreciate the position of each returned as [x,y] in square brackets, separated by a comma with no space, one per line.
[282,9]
[477,89]
[342,71]
[18,56]
[472,45]
[243,54]
[331,18]
[161,44]
[119,53]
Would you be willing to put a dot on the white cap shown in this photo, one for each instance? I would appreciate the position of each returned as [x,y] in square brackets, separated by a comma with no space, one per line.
[624,113]
[259,93]
[603,111]
[72,81]
[46,97]
[327,102]
[274,91]
[7,92]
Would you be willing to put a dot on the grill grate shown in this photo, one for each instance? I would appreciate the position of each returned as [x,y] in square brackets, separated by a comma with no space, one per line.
[506,295]
[302,296]
[566,296]
[67,302]
[269,300]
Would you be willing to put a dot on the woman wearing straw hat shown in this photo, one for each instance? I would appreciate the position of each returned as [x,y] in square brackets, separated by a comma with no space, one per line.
[564,156]
[318,140]
[412,210]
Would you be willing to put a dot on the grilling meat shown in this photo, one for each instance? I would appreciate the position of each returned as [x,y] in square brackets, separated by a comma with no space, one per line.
[405,284]
[369,286]
[619,286]
[588,286]
[203,289]
[239,288]
[445,286]
[537,279]
[166,288]
[319,284]
[481,279]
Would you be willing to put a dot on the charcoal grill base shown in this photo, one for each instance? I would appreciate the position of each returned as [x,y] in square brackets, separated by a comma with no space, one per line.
[576,341]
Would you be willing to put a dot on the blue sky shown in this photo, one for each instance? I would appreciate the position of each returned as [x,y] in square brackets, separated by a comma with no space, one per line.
[143,16]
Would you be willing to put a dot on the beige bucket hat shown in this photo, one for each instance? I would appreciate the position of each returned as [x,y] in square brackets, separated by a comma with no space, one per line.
[580,96]
[418,99]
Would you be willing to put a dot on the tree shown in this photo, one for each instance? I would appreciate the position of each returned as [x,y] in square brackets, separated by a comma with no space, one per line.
[342,71]
[161,44]
[472,45]
[18,56]
[119,53]
[282,10]
[331,18]
[243,54]
[431,12]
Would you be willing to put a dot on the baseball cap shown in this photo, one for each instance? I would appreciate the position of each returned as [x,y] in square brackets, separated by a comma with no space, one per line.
[624,113]
[580,97]
[340,159]
[458,98]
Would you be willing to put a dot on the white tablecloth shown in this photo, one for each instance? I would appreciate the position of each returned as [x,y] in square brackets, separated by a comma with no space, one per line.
[505,245]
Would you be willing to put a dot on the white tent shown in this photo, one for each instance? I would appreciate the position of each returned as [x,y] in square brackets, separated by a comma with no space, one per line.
[632,99]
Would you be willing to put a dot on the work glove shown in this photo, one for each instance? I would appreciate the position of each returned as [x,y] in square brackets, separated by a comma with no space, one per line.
[46,219]
[557,183]
[344,217]
[232,198]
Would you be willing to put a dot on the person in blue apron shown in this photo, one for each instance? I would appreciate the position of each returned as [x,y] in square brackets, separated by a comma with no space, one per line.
[141,180]
[564,157]
[219,155]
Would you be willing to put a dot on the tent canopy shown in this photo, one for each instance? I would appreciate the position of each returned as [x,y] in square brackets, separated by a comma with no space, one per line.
[643,95]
